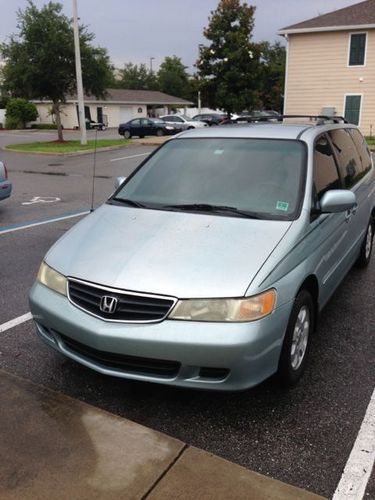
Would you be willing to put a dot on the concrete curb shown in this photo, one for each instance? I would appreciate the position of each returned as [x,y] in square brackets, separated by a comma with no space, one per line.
[58,447]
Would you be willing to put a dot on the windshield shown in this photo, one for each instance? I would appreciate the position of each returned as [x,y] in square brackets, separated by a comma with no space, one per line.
[261,177]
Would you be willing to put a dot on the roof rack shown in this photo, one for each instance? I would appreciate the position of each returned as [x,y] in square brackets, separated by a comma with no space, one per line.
[320,119]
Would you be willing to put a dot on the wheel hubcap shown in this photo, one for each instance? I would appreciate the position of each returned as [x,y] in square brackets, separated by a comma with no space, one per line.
[300,337]
[368,242]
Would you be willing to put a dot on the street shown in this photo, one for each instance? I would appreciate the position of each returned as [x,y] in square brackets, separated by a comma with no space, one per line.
[302,436]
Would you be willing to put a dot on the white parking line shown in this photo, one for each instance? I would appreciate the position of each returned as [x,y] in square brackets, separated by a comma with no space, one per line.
[39,223]
[357,472]
[127,157]
[14,322]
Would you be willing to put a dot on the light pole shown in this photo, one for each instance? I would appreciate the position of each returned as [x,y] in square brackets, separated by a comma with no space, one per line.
[151,59]
[81,106]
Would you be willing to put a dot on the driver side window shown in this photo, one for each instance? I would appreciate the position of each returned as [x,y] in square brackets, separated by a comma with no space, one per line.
[326,175]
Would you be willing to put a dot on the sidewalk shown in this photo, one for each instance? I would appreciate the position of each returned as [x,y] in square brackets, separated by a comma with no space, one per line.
[55,447]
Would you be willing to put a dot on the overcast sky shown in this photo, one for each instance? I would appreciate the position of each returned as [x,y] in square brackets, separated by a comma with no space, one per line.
[136,30]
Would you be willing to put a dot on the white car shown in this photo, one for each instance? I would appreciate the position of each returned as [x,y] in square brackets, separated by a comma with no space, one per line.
[183,121]
[5,185]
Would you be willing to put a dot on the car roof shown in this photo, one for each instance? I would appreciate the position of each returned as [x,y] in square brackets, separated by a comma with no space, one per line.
[262,131]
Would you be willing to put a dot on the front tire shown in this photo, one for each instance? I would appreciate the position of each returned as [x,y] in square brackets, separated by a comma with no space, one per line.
[297,339]
[159,132]
[366,247]
[127,134]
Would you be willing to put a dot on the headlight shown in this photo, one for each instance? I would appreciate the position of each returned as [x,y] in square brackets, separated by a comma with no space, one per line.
[52,279]
[169,128]
[231,310]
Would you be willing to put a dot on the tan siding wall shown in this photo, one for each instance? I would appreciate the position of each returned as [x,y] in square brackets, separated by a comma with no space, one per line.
[318,75]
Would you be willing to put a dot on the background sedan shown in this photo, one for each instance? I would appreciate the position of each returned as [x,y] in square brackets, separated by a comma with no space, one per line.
[5,185]
[146,126]
[183,122]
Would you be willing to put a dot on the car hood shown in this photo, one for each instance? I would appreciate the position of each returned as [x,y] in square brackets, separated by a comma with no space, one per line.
[162,252]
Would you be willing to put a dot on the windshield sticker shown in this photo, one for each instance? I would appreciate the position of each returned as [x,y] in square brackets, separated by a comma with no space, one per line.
[219,151]
[282,205]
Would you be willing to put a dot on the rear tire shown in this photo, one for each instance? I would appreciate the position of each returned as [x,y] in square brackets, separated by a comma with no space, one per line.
[159,132]
[366,247]
[127,134]
[297,339]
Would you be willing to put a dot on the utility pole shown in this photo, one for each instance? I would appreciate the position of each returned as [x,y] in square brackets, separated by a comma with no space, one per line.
[151,59]
[81,105]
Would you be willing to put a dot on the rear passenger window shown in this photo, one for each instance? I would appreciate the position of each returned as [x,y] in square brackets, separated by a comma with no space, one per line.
[362,148]
[325,170]
[350,165]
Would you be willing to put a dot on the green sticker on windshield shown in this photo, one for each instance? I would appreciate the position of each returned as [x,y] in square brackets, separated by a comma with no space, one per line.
[282,205]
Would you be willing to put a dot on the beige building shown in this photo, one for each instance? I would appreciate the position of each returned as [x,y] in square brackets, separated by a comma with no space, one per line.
[331,65]
[119,106]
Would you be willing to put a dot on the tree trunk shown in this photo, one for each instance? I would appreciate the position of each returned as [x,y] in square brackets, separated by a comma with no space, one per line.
[56,111]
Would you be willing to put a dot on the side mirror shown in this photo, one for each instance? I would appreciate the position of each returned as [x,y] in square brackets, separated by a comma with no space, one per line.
[119,181]
[337,200]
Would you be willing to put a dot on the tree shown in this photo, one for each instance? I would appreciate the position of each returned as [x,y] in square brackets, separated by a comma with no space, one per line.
[229,66]
[273,60]
[40,64]
[173,78]
[19,112]
[136,77]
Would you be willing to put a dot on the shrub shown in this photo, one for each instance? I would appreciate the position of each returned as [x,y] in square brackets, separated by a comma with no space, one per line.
[19,111]
[44,126]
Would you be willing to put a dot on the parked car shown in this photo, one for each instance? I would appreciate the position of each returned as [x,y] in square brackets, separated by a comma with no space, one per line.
[210,264]
[183,122]
[92,125]
[5,184]
[211,118]
[146,126]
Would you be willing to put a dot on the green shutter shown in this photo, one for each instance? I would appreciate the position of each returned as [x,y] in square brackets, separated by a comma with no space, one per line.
[357,49]
[352,108]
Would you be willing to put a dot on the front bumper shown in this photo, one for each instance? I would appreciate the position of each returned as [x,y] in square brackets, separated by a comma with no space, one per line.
[222,356]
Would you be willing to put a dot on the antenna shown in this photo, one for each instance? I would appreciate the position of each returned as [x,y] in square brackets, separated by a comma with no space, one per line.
[93,173]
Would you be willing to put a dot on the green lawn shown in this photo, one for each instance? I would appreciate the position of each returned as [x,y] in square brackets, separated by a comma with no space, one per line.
[370,141]
[67,146]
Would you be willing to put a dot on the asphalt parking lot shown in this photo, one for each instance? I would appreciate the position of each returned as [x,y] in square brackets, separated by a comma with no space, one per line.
[303,436]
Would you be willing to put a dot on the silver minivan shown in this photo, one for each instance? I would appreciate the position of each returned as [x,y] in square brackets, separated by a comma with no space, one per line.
[209,265]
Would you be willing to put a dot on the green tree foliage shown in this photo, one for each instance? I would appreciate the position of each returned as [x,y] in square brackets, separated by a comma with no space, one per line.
[173,78]
[19,112]
[273,60]
[40,60]
[229,66]
[134,77]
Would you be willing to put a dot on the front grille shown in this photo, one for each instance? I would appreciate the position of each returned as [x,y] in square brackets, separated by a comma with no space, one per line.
[130,307]
[122,362]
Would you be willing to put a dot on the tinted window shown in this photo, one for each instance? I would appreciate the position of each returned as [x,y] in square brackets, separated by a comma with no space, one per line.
[357,49]
[259,176]
[362,148]
[135,123]
[325,170]
[350,165]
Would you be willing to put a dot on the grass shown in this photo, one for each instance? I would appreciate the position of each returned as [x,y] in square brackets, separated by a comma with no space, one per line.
[66,146]
[370,141]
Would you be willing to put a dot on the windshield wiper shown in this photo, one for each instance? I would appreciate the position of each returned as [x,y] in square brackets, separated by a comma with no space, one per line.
[205,207]
[131,203]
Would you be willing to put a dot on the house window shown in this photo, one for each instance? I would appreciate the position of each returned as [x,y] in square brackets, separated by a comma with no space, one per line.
[357,49]
[353,108]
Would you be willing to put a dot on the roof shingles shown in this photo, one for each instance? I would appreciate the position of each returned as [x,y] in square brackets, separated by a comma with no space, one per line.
[360,14]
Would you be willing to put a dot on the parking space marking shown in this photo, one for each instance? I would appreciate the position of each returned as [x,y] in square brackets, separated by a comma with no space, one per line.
[357,472]
[42,199]
[18,227]
[128,157]
[14,322]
